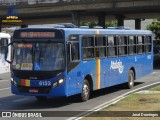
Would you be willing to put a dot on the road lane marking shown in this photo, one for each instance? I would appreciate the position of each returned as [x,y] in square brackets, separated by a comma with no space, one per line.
[4,80]
[106,104]
[5,88]
[153,72]
[19,100]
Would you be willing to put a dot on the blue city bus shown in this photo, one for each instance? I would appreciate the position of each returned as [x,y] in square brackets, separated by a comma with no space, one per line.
[69,61]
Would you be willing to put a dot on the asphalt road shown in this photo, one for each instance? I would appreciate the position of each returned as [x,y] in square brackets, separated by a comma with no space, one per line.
[8,101]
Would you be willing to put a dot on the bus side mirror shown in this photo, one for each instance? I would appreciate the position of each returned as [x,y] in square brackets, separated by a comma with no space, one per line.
[7,49]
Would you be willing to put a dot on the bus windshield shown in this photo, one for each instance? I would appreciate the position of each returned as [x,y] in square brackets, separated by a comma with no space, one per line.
[39,56]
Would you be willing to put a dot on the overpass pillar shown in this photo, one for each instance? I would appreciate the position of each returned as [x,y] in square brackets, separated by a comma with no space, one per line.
[101,19]
[0,25]
[76,18]
[120,20]
[137,24]
[24,26]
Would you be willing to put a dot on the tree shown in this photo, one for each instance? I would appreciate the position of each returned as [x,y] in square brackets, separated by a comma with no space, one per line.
[95,23]
[155,28]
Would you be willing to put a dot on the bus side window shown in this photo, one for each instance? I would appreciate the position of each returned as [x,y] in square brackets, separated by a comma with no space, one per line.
[122,47]
[132,45]
[140,44]
[100,46]
[88,47]
[148,44]
[112,48]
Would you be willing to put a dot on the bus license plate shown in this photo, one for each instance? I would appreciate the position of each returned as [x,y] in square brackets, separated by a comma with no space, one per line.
[33,90]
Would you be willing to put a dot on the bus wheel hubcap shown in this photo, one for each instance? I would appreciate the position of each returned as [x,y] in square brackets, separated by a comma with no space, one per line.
[131,80]
[85,91]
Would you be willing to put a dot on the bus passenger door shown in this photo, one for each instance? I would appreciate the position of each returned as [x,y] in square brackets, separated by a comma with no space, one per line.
[73,69]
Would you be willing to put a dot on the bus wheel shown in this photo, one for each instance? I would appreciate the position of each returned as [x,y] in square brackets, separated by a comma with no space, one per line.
[85,91]
[41,98]
[131,79]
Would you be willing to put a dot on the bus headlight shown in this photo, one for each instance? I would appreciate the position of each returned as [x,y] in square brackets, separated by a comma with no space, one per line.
[55,84]
[12,79]
[60,81]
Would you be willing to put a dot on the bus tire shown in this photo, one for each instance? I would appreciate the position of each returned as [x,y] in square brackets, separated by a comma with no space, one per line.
[85,91]
[41,98]
[131,79]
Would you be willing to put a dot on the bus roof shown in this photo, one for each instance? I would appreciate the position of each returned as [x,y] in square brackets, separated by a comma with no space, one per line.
[106,31]
[94,31]
[4,35]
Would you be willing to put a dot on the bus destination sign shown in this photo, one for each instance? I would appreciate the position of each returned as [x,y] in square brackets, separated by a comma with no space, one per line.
[37,34]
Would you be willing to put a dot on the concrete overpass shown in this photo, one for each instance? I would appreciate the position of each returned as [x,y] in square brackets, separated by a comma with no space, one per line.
[33,12]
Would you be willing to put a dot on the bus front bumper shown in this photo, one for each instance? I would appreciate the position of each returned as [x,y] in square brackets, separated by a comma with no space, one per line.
[38,91]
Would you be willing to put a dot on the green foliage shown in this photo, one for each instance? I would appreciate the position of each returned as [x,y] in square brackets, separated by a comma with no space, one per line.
[92,24]
[84,23]
[95,23]
[155,28]
[111,24]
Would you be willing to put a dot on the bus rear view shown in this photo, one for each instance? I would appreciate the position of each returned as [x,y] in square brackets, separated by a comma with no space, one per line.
[38,64]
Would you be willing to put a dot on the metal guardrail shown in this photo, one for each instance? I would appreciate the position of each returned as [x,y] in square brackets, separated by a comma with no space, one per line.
[32,2]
